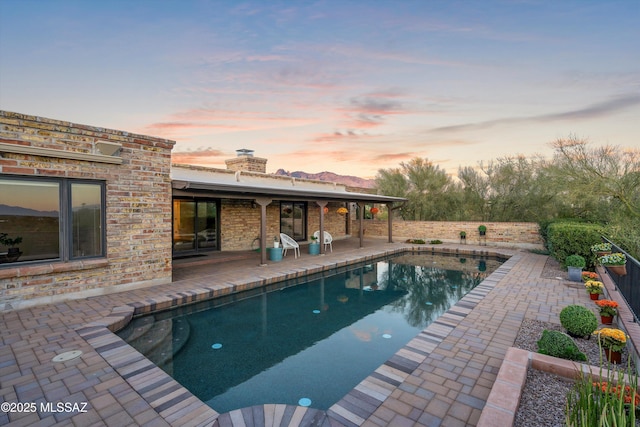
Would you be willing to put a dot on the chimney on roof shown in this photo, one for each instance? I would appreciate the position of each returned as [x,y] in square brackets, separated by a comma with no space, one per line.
[244,152]
[244,161]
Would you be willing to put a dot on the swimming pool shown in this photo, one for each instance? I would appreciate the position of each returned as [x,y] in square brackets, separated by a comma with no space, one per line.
[306,342]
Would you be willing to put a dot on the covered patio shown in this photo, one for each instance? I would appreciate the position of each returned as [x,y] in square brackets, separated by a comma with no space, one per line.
[261,191]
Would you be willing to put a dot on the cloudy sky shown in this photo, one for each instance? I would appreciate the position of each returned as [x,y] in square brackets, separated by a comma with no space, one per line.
[348,86]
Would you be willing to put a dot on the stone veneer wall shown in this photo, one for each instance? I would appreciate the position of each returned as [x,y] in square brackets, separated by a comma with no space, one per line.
[138,208]
[240,223]
[521,234]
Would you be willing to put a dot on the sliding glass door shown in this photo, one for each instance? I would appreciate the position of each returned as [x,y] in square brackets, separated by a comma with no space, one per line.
[195,226]
[293,219]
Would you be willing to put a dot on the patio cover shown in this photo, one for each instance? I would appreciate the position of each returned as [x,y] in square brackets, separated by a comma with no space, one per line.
[264,188]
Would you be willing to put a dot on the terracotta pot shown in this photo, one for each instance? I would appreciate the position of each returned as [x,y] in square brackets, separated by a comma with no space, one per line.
[613,356]
[606,320]
[620,270]
[594,297]
[599,254]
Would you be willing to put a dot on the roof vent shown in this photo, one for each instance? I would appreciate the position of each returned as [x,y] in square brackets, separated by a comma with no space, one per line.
[244,152]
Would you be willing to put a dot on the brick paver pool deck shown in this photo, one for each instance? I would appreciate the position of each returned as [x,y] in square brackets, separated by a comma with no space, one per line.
[443,377]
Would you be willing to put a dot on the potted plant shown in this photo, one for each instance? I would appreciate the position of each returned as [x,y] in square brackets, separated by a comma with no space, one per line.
[613,341]
[615,262]
[463,237]
[608,308]
[601,249]
[594,289]
[314,246]
[276,242]
[575,263]
[482,230]
[589,275]
[13,252]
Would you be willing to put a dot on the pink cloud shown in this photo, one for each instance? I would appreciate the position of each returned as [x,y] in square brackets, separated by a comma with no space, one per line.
[203,157]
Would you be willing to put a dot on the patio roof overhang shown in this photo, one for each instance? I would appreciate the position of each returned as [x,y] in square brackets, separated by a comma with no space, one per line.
[231,191]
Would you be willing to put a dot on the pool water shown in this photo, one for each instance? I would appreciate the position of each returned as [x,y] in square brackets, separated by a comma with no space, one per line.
[305,342]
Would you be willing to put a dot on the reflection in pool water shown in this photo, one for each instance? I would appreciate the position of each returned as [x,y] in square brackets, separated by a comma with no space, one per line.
[314,339]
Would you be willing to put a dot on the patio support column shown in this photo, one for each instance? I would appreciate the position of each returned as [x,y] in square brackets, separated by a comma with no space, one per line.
[361,222]
[322,204]
[390,220]
[263,202]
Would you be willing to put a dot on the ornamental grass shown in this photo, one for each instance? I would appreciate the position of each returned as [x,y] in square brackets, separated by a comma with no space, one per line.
[610,399]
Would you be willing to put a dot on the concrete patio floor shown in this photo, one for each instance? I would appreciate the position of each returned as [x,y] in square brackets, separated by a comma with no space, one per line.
[443,377]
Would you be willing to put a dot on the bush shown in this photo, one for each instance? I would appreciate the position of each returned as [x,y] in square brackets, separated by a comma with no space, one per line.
[558,344]
[578,320]
[416,241]
[436,242]
[568,238]
[575,261]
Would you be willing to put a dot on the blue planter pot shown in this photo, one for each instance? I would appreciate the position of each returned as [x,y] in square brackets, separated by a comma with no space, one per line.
[275,254]
[314,248]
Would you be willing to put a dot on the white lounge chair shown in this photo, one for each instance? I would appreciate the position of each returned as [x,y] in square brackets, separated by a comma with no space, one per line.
[289,243]
[328,239]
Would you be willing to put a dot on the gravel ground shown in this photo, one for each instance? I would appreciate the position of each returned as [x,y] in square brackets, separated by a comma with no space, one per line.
[544,395]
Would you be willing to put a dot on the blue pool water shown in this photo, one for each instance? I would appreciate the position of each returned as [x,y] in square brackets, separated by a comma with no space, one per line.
[307,342]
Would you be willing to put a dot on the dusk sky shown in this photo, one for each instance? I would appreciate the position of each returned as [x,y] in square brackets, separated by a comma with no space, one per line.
[343,86]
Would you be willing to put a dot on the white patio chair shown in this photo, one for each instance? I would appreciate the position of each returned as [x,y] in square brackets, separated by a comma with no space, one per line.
[289,243]
[328,239]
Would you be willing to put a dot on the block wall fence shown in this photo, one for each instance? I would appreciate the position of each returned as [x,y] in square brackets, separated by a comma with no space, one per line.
[138,206]
[516,234]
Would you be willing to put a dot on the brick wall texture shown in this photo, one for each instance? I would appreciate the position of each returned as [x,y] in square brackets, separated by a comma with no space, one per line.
[525,234]
[138,212]
[240,223]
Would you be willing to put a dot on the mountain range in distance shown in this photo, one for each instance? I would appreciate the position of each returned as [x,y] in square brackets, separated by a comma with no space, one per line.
[348,180]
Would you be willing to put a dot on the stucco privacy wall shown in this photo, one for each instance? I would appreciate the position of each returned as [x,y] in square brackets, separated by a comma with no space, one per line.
[138,206]
[520,234]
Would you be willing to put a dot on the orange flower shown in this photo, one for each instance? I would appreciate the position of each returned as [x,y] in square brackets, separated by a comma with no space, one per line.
[625,393]
[606,303]
[607,307]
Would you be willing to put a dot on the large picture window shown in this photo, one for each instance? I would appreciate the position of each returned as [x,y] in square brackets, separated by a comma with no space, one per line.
[50,219]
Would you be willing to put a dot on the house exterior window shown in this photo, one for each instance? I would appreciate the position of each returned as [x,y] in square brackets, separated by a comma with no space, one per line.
[293,219]
[53,219]
[195,225]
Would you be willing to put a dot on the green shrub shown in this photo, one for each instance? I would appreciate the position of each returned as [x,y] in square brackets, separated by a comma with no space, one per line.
[416,241]
[558,344]
[436,242]
[568,238]
[575,261]
[578,320]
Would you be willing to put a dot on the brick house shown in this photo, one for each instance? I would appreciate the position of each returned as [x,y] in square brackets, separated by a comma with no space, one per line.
[93,210]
